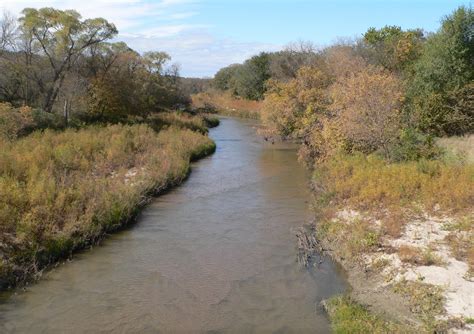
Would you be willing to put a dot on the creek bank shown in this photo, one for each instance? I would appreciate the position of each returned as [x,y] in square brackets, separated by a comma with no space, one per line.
[98,180]
[410,282]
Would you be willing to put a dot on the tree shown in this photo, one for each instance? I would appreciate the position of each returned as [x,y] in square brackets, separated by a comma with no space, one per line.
[225,78]
[285,64]
[8,31]
[251,77]
[367,105]
[445,70]
[60,37]
[393,48]
[291,109]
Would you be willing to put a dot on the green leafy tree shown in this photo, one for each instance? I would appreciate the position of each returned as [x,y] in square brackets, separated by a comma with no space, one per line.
[225,78]
[394,48]
[250,78]
[441,91]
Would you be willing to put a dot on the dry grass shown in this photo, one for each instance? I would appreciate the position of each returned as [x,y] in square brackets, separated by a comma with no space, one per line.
[224,103]
[427,301]
[461,241]
[347,316]
[353,239]
[463,146]
[164,120]
[418,256]
[393,224]
[370,182]
[60,191]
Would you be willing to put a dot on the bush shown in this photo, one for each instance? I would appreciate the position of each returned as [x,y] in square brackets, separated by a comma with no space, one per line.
[414,145]
[17,122]
[14,122]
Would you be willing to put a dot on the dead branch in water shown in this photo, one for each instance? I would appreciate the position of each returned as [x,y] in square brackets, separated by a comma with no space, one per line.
[308,246]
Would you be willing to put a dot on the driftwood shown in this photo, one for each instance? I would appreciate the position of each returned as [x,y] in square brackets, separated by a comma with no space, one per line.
[308,246]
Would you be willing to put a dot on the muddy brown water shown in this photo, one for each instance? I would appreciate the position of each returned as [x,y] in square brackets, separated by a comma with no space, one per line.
[216,254]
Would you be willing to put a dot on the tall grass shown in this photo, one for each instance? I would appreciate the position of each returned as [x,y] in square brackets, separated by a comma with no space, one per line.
[347,316]
[370,181]
[225,104]
[462,146]
[163,120]
[60,191]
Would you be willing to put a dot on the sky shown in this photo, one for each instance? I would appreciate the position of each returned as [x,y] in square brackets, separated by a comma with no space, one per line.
[203,36]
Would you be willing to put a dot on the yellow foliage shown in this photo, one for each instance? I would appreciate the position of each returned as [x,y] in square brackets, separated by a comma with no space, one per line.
[225,104]
[369,181]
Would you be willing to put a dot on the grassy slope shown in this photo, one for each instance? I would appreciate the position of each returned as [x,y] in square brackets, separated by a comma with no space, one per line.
[61,191]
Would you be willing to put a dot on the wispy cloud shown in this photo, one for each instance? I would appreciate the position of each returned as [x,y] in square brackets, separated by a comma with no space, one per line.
[199,53]
[127,15]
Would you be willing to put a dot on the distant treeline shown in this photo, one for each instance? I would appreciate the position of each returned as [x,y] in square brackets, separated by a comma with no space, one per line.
[388,91]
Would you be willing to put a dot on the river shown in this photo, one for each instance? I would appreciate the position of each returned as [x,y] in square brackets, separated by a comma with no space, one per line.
[216,254]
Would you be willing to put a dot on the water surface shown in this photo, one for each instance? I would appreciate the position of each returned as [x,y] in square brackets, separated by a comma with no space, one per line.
[216,254]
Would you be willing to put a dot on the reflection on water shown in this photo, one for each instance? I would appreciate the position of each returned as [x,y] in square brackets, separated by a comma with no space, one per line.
[214,255]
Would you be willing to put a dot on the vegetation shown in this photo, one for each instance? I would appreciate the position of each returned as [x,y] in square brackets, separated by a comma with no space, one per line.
[224,103]
[347,316]
[388,93]
[425,300]
[369,115]
[246,80]
[369,181]
[54,61]
[87,134]
[64,190]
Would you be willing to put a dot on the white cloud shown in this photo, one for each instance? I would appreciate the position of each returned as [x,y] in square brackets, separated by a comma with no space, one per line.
[169,30]
[198,53]
[127,15]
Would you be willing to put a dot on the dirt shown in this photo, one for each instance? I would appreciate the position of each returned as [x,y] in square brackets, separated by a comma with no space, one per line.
[373,287]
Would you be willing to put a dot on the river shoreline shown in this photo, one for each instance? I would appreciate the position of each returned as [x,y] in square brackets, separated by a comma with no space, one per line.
[215,254]
[14,276]
[395,294]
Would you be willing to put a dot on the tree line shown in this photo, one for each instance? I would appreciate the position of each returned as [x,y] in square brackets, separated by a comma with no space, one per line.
[60,64]
[389,91]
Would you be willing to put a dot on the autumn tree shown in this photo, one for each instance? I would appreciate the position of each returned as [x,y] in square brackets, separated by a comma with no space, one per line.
[296,108]
[60,38]
[394,48]
[367,105]
[284,65]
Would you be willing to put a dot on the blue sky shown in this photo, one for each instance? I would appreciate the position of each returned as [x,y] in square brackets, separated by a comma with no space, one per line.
[205,35]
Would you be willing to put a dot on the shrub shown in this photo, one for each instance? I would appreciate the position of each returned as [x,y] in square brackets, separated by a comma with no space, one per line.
[413,145]
[14,122]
